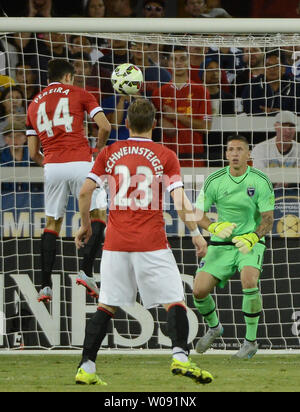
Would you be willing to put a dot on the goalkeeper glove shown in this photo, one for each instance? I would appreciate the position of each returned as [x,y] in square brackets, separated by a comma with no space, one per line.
[221,229]
[245,243]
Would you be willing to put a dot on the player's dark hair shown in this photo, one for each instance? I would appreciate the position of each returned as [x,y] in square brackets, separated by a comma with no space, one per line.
[141,115]
[239,137]
[57,68]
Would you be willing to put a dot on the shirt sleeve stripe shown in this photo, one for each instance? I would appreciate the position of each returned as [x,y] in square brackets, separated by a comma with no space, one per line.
[31,132]
[95,178]
[95,111]
[174,186]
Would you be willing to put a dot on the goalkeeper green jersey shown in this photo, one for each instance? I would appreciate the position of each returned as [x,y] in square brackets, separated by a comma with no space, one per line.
[239,200]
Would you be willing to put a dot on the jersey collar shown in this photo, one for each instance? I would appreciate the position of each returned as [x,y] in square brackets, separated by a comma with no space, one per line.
[139,139]
[238,179]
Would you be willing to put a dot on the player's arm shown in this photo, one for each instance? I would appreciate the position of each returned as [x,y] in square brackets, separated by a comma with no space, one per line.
[190,121]
[265,206]
[34,146]
[185,212]
[84,203]
[104,129]
[245,243]
[266,224]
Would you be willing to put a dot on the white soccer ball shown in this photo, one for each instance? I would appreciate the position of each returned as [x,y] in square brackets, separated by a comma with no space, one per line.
[127,79]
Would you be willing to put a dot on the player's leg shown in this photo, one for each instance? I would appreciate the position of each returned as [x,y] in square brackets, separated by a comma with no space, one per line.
[56,197]
[161,284]
[250,267]
[251,307]
[178,331]
[95,332]
[118,288]
[98,222]
[48,256]
[85,276]
[204,284]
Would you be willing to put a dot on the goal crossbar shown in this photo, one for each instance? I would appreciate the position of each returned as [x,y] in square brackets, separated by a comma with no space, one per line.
[154,25]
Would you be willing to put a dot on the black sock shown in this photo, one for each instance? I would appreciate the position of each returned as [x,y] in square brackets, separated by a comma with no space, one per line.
[178,326]
[95,332]
[48,255]
[91,248]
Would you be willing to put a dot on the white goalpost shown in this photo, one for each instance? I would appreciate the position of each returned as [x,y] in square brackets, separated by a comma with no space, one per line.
[96,46]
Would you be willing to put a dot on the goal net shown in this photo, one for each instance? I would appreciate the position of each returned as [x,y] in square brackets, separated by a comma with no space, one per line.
[220,85]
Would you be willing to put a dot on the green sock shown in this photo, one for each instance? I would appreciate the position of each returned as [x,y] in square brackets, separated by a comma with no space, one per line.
[207,309]
[252,306]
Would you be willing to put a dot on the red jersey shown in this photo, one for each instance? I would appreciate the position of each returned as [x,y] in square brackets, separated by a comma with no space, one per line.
[56,116]
[138,172]
[191,99]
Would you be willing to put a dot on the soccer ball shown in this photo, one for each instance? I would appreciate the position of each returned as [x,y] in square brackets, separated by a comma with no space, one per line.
[127,79]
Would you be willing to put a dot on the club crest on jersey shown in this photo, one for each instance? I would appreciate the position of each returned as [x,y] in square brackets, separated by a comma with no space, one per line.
[201,264]
[251,191]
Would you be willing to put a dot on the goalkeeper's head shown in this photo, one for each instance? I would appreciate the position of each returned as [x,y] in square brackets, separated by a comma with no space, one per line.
[238,152]
[60,70]
[141,118]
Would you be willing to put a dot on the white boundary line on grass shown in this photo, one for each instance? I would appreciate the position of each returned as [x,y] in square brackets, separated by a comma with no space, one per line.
[140,352]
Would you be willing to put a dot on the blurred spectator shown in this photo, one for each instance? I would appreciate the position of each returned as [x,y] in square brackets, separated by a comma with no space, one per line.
[194,8]
[121,8]
[15,153]
[115,108]
[273,91]
[5,81]
[283,149]
[83,74]
[213,9]
[26,78]
[184,110]
[25,45]
[198,55]
[253,58]
[40,8]
[8,58]
[95,8]
[12,108]
[83,44]
[222,103]
[291,58]
[153,75]
[118,54]
[229,58]
[154,8]
[51,45]
[275,9]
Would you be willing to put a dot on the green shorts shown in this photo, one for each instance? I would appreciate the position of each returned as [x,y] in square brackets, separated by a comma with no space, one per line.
[223,262]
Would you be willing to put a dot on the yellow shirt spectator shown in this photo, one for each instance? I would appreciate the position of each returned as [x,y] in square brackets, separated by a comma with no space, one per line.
[5,81]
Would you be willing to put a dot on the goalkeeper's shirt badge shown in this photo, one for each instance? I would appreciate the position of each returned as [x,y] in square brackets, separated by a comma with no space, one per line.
[251,191]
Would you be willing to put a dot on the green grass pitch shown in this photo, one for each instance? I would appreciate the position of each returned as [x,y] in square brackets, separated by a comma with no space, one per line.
[147,373]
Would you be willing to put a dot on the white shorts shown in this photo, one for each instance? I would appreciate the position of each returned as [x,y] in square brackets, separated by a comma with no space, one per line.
[154,274]
[63,179]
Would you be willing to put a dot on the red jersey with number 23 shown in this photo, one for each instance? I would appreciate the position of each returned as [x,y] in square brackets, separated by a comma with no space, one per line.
[138,172]
[56,116]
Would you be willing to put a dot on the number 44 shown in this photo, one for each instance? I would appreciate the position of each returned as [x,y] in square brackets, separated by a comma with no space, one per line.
[61,117]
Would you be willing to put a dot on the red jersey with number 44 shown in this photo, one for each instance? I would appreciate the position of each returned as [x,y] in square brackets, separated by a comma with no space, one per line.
[56,116]
[138,171]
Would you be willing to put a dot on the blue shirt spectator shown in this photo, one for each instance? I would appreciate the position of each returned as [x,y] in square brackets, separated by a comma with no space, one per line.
[115,107]
[273,92]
